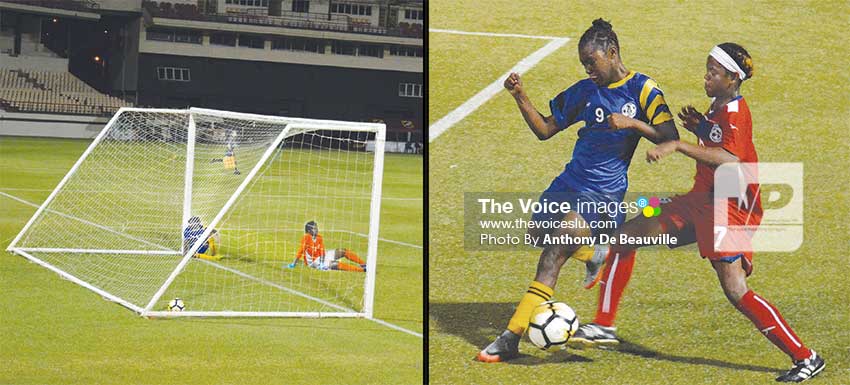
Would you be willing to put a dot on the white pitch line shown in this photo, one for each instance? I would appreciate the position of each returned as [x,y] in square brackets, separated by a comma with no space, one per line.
[492,34]
[387,324]
[61,214]
[396,327]
[382,239]
[272,284]
[10,196]
[296,292]
[215,194]
[494,88]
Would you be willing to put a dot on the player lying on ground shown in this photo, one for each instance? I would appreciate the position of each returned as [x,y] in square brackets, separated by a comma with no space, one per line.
[724,134]
[312,252]
[229,159]
[209,249]
[599,165]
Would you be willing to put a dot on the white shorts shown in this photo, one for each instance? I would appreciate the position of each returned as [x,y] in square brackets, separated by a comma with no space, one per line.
[322,263]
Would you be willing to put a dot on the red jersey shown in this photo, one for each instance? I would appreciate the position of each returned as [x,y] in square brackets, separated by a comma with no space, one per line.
[730,127]
[311,248]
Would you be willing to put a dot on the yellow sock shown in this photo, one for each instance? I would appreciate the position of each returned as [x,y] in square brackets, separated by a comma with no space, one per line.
[537,293]
[212,247]
[584,254]
[208,257]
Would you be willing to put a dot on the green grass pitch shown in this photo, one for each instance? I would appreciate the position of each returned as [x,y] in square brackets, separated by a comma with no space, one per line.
[54,331]
[677,324]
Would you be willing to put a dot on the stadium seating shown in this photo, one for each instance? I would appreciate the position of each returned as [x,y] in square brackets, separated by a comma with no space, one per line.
[53,92]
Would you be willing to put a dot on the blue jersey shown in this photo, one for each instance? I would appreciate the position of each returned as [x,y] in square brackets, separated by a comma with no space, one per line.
[191,235]
[601,156]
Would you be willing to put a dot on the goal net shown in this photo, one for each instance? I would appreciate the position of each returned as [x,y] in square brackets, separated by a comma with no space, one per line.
[212,207]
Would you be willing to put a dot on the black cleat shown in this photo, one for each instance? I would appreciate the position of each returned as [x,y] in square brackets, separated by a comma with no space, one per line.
[804,369]
[504,348]
[593,335]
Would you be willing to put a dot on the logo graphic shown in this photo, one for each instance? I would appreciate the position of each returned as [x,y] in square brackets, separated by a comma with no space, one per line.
[629,109]
[650,207]
[781,189]
[716,134]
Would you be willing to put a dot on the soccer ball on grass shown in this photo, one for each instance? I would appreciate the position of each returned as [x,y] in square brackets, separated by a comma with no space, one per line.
[176,305]
[551,325]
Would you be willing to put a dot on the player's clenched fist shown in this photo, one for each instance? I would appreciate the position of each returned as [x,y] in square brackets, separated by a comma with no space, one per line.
[513,83]
[619,121]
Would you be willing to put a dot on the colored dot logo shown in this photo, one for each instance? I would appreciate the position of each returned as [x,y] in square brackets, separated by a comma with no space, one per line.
[650,207]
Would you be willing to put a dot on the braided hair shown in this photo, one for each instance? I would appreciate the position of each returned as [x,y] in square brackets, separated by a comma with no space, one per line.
[600,35]
[741,57]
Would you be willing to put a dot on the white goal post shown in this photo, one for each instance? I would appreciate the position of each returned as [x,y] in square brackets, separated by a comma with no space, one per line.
[217,208]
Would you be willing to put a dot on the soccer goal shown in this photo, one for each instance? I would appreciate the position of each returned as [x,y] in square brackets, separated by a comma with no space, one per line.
[210,207]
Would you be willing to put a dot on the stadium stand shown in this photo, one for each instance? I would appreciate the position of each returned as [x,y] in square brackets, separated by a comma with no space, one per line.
[287,19]
[356,60]
[53,92]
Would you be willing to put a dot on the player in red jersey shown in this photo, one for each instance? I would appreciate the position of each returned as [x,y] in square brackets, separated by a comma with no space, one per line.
[724,137]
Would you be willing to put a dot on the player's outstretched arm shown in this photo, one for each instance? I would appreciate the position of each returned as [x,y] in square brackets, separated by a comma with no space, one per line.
[302,248]
[657,134]
[293,264]
[713,156]
[544,127]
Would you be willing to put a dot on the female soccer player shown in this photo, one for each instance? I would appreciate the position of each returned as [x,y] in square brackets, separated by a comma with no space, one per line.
[725,136]
[312,251]
[209,249]
[599,165]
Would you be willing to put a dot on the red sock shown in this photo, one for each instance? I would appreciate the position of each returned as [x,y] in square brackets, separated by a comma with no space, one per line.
[768,320]
[618,270]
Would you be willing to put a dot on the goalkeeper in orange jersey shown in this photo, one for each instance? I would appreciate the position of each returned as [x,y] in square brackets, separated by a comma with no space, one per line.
[312,252]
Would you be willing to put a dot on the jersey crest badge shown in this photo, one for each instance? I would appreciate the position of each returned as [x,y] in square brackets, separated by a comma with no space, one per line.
[629,109]
[716,134]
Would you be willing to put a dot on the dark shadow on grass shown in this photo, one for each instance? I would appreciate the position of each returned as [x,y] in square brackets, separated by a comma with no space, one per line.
[480,323]
[642,351]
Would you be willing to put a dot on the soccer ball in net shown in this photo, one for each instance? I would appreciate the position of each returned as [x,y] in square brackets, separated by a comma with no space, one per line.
[552,324]
[176,305]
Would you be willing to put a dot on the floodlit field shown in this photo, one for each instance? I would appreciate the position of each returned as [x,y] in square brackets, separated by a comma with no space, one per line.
[677,326]
[54,331]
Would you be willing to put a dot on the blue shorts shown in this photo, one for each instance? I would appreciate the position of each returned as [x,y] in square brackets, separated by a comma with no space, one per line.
[592,206]
[204,247]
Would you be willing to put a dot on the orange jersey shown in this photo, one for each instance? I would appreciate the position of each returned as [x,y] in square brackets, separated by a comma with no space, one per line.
[311,248]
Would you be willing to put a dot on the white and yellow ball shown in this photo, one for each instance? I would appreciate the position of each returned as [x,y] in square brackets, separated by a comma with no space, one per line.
[551,325]
[176,305]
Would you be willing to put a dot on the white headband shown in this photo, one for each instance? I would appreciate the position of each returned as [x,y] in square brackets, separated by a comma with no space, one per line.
[726,61]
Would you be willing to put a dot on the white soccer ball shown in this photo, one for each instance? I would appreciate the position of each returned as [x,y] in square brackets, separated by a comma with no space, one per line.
[176,305]
[551,325]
